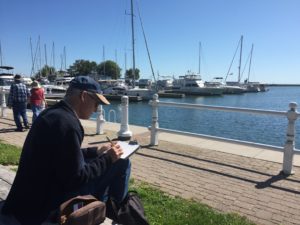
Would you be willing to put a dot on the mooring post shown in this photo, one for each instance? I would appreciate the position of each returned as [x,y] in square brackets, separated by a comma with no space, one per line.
[100,121]
[124,133]
[289,147]
[3,103]
[154,125]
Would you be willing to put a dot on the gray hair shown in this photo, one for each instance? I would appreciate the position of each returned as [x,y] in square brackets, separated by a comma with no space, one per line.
[72,92]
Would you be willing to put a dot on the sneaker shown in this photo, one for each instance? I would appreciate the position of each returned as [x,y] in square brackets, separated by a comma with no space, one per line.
[27,127]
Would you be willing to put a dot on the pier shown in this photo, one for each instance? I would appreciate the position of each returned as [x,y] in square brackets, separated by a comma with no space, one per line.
[229,177]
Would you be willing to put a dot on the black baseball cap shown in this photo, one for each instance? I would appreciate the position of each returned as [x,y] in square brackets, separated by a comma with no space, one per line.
[88,84]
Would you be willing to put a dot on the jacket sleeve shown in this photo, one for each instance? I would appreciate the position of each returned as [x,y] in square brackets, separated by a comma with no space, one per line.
[89,152]
[71,166]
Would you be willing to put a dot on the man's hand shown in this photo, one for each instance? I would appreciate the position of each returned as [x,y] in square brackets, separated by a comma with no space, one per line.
[115,152]
[103,149]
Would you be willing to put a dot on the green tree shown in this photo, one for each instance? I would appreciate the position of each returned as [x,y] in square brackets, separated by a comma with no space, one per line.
[109,68]
[82,67]
[45,72]
[129,74]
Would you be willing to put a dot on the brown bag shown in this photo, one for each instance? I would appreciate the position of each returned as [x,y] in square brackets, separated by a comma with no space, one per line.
[82,210]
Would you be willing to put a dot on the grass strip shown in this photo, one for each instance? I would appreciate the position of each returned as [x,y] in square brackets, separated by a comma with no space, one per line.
[9,154]
[162,209]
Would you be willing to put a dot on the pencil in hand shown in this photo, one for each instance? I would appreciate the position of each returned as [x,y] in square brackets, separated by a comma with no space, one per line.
[112,143]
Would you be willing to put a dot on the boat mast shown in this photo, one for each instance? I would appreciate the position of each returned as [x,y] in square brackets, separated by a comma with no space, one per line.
[46,60]
[148,52]
[133,50]
[240,62]
[199,69]
[65,58]
[1,54]
[250,63]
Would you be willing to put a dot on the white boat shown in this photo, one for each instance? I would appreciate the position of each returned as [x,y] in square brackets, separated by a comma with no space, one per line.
[165,84]
[119,87]
[230,88]
[113,87]
[145,93]
[192,84]
[6,78]
[60,85]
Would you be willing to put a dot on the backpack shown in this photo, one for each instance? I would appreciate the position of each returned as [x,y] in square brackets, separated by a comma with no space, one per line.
[82,210]
[129,212]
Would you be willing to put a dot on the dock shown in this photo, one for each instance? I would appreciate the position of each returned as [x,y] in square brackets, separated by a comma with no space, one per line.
[118,98]
[170,95]
[228,177]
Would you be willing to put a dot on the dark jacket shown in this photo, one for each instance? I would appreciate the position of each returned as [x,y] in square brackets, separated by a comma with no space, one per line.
[51,165]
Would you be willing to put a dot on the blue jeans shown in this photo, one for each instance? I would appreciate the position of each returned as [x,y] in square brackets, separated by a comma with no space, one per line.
[36,109]
[19,110]
[114,183]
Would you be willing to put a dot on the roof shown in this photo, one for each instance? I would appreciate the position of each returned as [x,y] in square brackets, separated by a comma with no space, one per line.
[6,67]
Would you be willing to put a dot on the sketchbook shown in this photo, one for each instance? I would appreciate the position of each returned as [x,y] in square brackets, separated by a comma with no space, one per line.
[128,148]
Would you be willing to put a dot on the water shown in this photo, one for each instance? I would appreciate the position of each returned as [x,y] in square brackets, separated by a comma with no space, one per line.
[265,129]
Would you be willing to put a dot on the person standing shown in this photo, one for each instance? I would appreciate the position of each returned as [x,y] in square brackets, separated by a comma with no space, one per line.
[37,99]
[17,100]
[54,168]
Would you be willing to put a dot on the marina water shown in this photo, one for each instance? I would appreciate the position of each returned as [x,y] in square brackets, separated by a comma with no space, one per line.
[265,129]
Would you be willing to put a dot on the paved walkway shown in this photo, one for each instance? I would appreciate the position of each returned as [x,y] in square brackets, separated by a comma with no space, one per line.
[228,177]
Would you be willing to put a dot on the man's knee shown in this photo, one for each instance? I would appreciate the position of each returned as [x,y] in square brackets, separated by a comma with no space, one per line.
[124,164]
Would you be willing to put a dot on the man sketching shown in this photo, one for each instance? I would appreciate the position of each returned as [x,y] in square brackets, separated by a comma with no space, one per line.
[53,168]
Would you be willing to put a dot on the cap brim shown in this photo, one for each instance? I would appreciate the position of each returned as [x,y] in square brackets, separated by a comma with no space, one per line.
[102,99]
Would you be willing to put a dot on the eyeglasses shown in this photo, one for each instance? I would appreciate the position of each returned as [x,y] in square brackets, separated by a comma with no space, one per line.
[97,102]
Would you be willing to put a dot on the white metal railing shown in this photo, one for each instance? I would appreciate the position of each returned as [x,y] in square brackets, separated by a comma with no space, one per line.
[3,101]
[124,133]
[288,149]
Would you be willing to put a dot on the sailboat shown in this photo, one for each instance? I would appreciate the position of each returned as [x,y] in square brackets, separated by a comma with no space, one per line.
[145,93]
[233,87]
[253,86]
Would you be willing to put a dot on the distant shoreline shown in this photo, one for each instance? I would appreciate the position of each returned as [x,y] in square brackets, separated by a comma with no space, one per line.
[282,85]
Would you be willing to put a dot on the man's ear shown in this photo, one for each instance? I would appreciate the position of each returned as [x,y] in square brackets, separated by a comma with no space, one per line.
[83,96]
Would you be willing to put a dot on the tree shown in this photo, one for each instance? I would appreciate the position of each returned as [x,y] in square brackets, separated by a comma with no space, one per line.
[109,68]
[129,74]
[82,67]
[45,71]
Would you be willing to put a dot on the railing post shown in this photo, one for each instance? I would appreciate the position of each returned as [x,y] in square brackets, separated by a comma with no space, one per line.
[288,154]
[124,133]
[3,103]
[100,121]
[154,124]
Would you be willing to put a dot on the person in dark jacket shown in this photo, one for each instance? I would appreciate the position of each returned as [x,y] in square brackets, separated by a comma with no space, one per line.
[53,168]
[17,100]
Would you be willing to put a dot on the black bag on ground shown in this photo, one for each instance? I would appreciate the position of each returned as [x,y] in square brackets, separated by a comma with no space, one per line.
[130,211]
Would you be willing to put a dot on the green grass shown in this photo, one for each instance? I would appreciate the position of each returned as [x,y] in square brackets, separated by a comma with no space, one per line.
[9,154]
[160,208]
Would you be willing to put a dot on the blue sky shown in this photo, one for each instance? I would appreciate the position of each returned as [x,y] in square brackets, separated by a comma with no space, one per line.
[173,30]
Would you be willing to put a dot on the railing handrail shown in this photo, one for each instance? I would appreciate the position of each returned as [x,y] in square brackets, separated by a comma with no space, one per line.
[291,115]
[223,108]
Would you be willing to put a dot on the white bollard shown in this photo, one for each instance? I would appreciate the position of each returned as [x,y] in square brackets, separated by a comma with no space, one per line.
[3,103]
[154,125]
[100,120]
[289,147]
[124,133]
